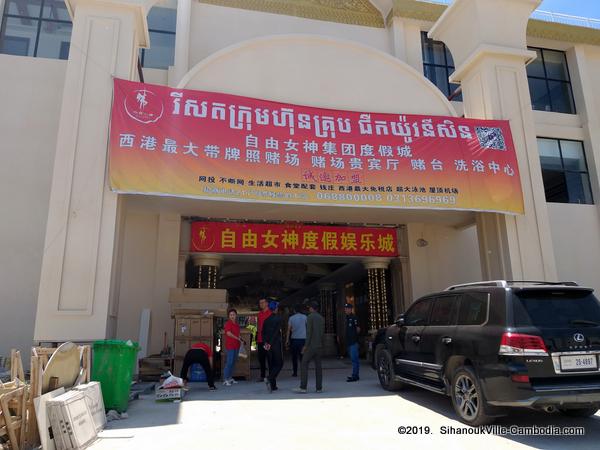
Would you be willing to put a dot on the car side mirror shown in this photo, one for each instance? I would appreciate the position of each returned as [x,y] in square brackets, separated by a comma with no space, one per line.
[400,320]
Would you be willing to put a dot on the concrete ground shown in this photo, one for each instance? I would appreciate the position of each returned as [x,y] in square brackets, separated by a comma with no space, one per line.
[345,416]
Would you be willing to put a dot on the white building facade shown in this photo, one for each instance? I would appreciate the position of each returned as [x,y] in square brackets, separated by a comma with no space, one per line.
[80,262]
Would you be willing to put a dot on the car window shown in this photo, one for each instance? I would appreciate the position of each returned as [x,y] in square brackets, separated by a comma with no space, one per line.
[556,309]
[418,314]
[444,311]
[473,308]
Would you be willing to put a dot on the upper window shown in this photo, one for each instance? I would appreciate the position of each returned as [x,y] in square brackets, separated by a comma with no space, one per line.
[438,65]
[161,28]
[36,28]
[444,311]
[549,82]
[418,314]
[43,28]
[564,171]
[473,308]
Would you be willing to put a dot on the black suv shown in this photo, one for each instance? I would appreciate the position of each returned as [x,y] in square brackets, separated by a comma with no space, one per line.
[498,344]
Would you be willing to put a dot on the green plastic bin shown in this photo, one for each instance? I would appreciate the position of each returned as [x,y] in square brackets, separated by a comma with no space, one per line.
[112,366]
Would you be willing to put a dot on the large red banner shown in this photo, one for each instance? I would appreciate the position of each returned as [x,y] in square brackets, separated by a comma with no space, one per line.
[209,145]
[295,239]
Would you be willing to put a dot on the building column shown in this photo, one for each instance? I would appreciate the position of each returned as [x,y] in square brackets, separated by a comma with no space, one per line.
[79,255]
[406,41]
[182,41]
[327,301]
[208,266]
[378,292]
[181,266]
[490,58]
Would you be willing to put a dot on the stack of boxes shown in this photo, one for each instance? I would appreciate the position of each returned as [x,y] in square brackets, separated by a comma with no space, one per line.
[191,328]
[194,311]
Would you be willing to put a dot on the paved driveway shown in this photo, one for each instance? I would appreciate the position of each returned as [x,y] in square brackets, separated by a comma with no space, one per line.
[345,416]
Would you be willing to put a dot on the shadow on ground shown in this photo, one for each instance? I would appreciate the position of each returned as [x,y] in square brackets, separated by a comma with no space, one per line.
[521,417]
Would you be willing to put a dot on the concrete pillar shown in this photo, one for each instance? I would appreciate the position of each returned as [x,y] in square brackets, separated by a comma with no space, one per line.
[182,41]
[79,252]
[490,58]
[588,111]
[207,265]
[327,301]
[181,265]
[406,41]
[378,292]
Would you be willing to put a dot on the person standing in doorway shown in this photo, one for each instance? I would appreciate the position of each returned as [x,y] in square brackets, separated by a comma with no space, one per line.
[263,314]
[313,349]
[352,332]
[296,337]
[202,354]
[272,343]
[231,332]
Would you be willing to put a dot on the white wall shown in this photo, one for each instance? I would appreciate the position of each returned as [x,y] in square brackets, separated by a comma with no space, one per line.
[451,257]
[148,270]
[214,28]
[30,96]
[576,237]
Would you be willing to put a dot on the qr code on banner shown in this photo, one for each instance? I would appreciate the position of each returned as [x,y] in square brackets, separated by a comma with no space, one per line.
[491,138]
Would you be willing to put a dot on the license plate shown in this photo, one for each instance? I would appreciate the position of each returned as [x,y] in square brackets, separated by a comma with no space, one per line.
[579,362]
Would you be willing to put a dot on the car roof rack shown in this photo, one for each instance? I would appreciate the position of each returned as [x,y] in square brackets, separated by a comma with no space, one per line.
[541,283]
[493,283]
[506,283]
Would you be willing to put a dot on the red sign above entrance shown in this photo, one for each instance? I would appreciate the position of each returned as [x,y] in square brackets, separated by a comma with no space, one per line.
[294,239]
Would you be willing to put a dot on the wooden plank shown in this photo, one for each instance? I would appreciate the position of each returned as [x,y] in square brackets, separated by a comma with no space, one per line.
[14,423]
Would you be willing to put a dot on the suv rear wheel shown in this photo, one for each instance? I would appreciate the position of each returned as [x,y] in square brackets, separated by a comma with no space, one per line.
[579,412]
[467,397]
[385,369]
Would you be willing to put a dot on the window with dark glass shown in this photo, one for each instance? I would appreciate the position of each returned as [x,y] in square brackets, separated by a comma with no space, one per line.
[418,314]
[444,311]
[161,28]
[438,65]
[36,28]
[549,82]
[43,28]
[564,171]
[473,308]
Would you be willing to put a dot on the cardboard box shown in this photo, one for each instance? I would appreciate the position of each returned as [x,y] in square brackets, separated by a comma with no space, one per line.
[93,397]
[164,395]
[198,308]
[185,295]
[181,347]
[71,421]
[182,327]
[201,326]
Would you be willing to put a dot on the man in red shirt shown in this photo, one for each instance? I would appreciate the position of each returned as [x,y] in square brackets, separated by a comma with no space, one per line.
[263,314]
[202,354]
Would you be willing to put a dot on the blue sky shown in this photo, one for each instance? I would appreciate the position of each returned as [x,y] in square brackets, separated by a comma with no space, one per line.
[584,8]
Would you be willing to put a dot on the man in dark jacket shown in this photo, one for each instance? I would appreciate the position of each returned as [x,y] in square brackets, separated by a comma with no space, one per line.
[272,343]
[352,331]
[313,348]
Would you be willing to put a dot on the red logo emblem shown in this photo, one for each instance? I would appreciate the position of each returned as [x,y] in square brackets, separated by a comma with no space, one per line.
[144,106]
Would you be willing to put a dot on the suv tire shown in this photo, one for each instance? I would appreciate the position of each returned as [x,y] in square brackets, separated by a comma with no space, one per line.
[467,397]
[385,369]
[579,412]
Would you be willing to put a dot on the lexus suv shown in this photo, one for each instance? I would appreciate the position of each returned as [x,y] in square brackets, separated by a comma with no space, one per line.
[495,345]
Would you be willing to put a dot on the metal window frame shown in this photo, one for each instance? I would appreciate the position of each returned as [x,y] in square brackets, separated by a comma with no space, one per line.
[564,170]
[547,79]
[449,68]
[39,19]
[143,50]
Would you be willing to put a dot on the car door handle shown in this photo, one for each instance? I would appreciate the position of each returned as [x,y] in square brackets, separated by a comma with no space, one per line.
[416,339]
[447,340]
